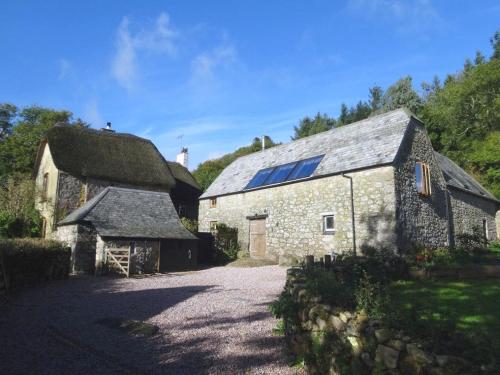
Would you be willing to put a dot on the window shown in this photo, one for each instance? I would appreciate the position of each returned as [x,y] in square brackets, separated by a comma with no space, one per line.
[132,248]
[328,224]
[45,186]
[213,202]
[213,226]
[285,172]
[44,227]
[423,178]
[485,230]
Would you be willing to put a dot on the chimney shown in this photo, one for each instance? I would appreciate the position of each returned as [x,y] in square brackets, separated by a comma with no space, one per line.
[182,157]
[108,128]
[263,142]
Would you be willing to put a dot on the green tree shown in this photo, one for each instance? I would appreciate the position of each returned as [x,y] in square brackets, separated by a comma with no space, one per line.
[376,95]
[462,119]
[318,124]
[401,94]
[18,150]
[495,43]
[7,114]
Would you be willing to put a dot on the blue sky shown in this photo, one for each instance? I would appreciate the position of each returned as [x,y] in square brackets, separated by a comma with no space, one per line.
[223,72]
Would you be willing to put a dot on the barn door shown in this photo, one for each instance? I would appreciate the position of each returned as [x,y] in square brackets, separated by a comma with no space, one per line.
[258,238]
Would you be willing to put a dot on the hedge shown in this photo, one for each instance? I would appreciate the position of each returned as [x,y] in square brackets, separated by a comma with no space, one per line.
[29,261]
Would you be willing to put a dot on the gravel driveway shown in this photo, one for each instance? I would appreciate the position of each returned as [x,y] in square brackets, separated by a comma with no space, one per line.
[211,321]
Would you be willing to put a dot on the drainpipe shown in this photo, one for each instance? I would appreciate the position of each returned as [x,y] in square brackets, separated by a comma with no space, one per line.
[449,223]
[352,214]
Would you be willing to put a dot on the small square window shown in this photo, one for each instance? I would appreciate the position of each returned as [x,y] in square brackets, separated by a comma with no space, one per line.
[328,224]
[213,226]
[213,202]
[423,178]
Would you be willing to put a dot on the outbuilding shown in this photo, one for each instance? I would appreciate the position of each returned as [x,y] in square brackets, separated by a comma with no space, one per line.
[130,231]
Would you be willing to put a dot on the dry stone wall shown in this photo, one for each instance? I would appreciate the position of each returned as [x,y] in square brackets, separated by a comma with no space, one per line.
[294,214]
[338,341]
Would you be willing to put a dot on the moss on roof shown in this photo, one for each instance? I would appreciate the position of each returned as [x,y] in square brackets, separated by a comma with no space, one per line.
[181,173]
[109,156]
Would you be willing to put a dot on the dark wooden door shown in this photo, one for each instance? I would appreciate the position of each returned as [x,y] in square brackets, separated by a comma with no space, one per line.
[258,238]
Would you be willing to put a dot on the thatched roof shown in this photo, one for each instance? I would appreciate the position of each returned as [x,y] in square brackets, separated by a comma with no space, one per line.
[108,156]
[131,213]
[181,173]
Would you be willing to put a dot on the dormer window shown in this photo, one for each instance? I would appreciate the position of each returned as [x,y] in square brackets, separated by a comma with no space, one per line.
[45,186]
[423,178]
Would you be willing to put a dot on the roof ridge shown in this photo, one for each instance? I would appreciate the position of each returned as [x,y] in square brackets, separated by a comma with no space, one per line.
[137,190]
[403,109]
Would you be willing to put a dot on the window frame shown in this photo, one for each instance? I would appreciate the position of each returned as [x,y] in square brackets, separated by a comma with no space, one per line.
[425,175]
[45,186]
[327,230]
[213,202]
[213,226]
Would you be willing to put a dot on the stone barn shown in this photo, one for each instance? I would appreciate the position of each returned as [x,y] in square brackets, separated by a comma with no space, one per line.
[130,231]
[376,183]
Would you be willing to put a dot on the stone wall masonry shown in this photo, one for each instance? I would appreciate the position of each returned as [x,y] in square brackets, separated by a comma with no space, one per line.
[338,341]
[82,240]
[469,211]
[294,222]
[421,220]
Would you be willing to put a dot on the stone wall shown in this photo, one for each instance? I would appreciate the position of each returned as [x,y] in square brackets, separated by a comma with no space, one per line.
[335,341]
[82,241]
[421,220]
[294,222]
[469,211]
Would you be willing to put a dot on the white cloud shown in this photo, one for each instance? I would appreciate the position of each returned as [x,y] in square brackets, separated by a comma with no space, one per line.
[64,68]
[91,113]
[205,64]
[158,39]
[409,15]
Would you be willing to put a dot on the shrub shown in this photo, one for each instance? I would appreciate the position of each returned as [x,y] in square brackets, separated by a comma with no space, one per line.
[28,261]
[371,297]
[473,242]
[226,243]
[190,225]
[18,216]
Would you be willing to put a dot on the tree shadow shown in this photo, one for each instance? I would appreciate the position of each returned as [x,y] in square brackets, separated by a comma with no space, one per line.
[63,321]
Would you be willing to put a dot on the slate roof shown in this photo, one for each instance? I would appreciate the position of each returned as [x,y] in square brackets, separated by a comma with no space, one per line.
[111,156]
[458,178]
[181,173]
[367,143]
[131,213]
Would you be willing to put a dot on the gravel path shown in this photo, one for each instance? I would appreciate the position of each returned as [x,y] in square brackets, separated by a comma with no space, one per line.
[213,321]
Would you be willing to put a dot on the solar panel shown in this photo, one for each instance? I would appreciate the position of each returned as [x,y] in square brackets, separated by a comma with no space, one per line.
[286,172]
[305,168]
[280,173]
[259,178]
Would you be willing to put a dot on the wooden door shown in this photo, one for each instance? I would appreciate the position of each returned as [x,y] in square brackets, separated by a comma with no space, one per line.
[258,238]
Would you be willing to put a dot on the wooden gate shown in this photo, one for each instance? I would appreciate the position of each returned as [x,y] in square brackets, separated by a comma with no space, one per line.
[119,258]
[258,238]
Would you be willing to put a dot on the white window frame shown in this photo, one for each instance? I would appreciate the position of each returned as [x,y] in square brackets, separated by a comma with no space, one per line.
[327,230]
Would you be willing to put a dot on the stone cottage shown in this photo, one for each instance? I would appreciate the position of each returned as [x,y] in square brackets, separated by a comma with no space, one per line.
[75,164]
[374,183]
